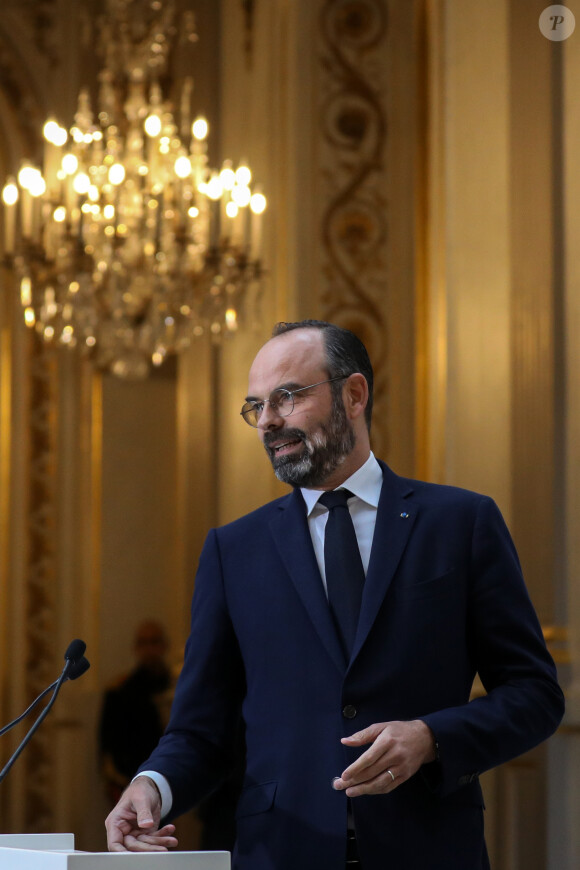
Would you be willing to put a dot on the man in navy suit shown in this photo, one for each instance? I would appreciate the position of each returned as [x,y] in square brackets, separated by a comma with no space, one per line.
[360,756]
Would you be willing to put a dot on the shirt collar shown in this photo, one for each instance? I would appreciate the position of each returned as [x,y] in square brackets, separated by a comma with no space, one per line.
[365,483]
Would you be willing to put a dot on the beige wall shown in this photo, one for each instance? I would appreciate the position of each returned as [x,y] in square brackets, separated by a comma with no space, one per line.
[493,296]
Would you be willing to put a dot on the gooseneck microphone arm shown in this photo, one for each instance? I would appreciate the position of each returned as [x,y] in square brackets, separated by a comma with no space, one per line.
[76,670]
[28,709]
[75,665]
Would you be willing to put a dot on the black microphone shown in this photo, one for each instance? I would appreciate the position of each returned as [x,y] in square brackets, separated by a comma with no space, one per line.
[75,666]
[77,669]
[75,650]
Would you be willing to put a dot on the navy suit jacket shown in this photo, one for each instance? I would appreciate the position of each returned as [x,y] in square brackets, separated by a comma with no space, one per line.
[444,599]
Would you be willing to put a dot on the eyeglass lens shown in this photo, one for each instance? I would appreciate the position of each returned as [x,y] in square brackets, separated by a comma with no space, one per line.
[280,401]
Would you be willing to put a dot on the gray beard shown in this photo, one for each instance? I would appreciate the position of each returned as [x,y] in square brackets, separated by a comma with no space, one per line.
[322,453]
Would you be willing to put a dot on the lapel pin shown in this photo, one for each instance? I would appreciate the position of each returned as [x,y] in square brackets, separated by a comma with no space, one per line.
[404,515]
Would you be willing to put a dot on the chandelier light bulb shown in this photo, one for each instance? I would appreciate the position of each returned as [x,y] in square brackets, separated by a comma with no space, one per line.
[81,183]
[231,318]
[29,317]
[228,178]
[231,209]
[243,175]
[258,203]
[37,186]
[26,291]
[10,193]
[117,173]
[27,176]
[69,164]
[200,129]
[54,133]
[183,167]
[213,188]
[49,130]
[153,125]
[241,195]
[59,214]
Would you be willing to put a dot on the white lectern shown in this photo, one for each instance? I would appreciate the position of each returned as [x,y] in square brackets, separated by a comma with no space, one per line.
[56,852]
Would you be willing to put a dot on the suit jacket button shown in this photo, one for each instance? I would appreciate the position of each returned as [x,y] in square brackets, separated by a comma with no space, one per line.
[349,712]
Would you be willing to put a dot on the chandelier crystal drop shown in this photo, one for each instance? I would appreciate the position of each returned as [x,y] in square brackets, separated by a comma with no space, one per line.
[127,244]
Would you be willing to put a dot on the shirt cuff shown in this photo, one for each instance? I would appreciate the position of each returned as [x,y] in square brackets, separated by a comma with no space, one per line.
[164,789]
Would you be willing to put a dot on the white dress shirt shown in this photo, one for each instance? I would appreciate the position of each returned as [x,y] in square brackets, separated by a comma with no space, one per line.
[365,485]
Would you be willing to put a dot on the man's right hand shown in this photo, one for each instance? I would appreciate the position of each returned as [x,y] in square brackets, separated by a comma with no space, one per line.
[133,825]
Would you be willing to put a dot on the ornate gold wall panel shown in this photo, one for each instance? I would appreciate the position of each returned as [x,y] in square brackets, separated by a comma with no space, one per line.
[352,160]
[41,576]
[27,54]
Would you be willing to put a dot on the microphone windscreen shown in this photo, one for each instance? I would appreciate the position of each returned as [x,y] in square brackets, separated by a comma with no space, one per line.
[77,669]
[75,650]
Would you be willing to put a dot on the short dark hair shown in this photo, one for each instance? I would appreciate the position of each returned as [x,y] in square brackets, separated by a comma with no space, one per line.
[345,354]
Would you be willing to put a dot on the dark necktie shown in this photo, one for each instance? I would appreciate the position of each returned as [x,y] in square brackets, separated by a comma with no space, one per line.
[343,566]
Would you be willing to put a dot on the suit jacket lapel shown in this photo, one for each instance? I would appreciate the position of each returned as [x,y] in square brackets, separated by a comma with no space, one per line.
[395,519]
[289,527]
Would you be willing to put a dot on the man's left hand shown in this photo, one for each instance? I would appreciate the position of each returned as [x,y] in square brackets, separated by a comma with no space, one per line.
[397,751]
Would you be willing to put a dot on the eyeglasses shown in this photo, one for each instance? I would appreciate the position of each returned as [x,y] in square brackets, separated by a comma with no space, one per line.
[281,402]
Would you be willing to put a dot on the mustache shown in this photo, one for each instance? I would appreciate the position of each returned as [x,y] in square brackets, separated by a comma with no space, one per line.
[290,434]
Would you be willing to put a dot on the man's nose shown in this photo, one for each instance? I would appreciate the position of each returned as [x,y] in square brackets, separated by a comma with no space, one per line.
[270,418]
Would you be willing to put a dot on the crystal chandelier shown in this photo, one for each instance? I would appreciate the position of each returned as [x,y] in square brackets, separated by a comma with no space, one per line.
[127,244]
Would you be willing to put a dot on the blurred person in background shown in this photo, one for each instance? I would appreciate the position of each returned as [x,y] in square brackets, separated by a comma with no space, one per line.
[135,709]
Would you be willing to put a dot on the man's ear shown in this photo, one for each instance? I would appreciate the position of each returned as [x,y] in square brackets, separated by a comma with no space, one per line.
[355,395]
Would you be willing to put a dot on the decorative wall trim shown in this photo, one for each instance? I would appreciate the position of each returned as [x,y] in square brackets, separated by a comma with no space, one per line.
[353,219]
[41,576]
[27,55]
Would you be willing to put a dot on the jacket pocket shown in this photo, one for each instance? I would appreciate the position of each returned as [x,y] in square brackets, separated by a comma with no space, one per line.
[256,799]
[437,587]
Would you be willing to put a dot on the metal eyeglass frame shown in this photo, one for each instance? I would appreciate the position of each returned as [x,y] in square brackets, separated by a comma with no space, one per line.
[256,408]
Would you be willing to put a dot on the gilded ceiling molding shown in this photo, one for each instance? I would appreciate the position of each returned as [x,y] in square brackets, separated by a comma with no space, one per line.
[353,128]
